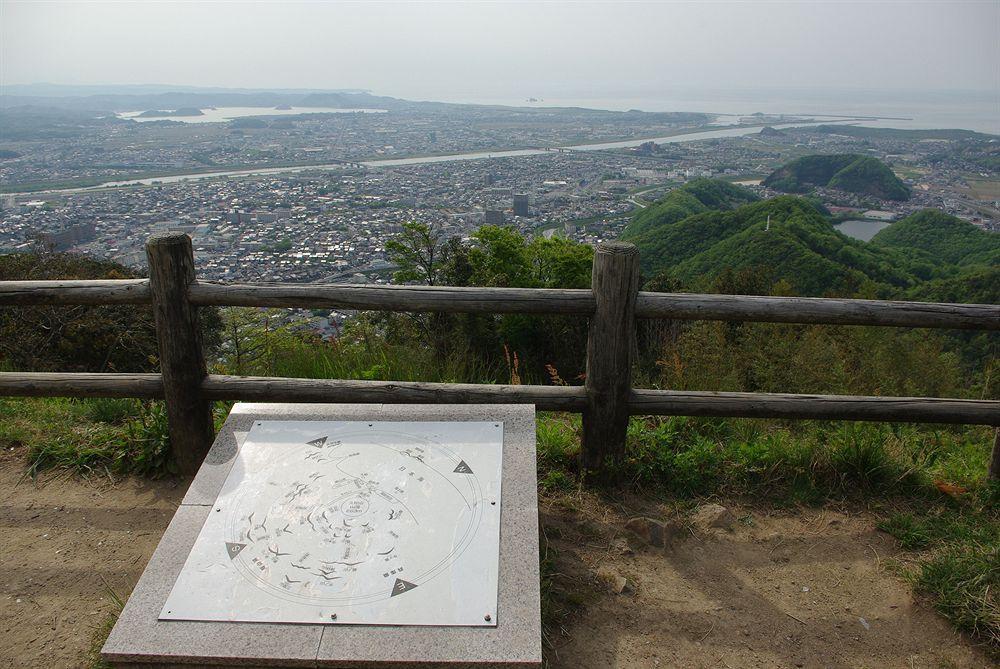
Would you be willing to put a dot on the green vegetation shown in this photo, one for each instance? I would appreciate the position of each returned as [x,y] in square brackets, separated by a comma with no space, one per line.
[853,173]
[116,338]
[90,436]
[934,237]
[685,243]
[956,540]
[926,483]
[694,197]
[894,133]
[105,338]
[247,123]
[799,245]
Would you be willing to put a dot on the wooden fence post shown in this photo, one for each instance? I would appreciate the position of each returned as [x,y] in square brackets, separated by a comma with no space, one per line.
[994,471]
[182,361]
[615,282]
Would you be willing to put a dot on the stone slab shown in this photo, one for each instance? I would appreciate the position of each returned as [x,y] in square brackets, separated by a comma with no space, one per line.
[140,639]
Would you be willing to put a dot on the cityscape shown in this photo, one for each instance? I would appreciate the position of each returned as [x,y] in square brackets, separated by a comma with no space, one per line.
[551,334]
[332,223]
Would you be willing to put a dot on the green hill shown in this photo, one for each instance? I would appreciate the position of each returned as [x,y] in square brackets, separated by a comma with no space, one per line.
[851,172]
[801,247]
[693,197]
[933,236]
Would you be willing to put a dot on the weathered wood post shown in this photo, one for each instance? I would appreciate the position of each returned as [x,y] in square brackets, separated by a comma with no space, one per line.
[994,471]
[182,361]
[615,282]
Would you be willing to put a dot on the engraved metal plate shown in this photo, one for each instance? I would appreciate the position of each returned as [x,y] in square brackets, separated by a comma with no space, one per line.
[380,523]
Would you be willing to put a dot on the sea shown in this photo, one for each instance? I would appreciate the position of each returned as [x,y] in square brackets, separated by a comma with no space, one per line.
[911,110]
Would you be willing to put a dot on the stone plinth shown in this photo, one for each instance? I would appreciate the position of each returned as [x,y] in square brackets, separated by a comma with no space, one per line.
[140,639]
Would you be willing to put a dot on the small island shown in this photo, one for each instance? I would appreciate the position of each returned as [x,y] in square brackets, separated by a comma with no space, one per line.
[166,113]
[283,107]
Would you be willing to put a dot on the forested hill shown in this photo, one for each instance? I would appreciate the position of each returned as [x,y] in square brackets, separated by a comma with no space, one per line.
[851,172]
[932,235]
[694,197]
[801,247]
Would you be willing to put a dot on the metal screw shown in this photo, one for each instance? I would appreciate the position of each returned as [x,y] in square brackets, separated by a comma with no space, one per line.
[487,617]
[333,616]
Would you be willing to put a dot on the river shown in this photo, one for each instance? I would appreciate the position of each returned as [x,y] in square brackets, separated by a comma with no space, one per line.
[392,162]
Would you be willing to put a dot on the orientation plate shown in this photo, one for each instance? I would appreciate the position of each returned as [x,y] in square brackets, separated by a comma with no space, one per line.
[374,523]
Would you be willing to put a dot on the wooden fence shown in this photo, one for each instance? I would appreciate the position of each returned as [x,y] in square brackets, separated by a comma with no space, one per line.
[607,399]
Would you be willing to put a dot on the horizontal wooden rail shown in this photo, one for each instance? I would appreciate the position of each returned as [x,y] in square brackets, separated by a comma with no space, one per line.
[272,389]
[105,291]
[545,398]
[59,384]
[612,305]
[819,310]
[683,306]
[395,298]
[815,407]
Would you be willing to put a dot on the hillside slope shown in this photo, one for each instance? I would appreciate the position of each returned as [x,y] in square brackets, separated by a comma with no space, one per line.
[934,236]
[694,197]
[800,247]
[850,172]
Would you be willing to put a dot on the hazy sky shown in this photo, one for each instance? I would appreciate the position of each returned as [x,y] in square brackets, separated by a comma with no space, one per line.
[496,49]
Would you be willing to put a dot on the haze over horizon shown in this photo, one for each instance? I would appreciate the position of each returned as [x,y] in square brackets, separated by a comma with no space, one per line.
[506,50]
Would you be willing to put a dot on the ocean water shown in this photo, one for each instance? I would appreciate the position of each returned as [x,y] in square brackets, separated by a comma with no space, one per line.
[968,110]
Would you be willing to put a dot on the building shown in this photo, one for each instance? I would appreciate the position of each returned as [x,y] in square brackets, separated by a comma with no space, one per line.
[522,204]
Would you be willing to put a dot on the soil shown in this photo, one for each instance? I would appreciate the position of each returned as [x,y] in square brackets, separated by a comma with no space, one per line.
[800,588]
[69,548]
[809,588]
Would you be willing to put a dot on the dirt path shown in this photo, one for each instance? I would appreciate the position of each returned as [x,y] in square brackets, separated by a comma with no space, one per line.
[780,591]
[809,589]
[66,546]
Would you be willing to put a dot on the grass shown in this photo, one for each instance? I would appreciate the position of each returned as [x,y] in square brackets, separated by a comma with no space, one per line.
[101,633]
[927,485]
[803,462]
[984,189]
[956,558]
[88,436]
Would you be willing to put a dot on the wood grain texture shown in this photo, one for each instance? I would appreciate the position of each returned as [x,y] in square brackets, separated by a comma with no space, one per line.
[610,341]
[817,310]
[182,362]
[274,389]
[104,291]
[58,384]
[396,298]
[822,407]
[545,398]
[681,306]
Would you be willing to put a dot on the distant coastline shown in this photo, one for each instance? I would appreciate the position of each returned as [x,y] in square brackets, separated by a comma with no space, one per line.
[167,113]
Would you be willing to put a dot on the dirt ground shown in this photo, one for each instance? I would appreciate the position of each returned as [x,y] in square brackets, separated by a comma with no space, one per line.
[68,548]
[809,589]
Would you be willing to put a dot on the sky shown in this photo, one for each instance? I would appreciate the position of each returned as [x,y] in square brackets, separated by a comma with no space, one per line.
[490,50]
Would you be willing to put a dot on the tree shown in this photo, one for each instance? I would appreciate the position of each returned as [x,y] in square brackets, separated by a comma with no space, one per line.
[108,338]
[416,252]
